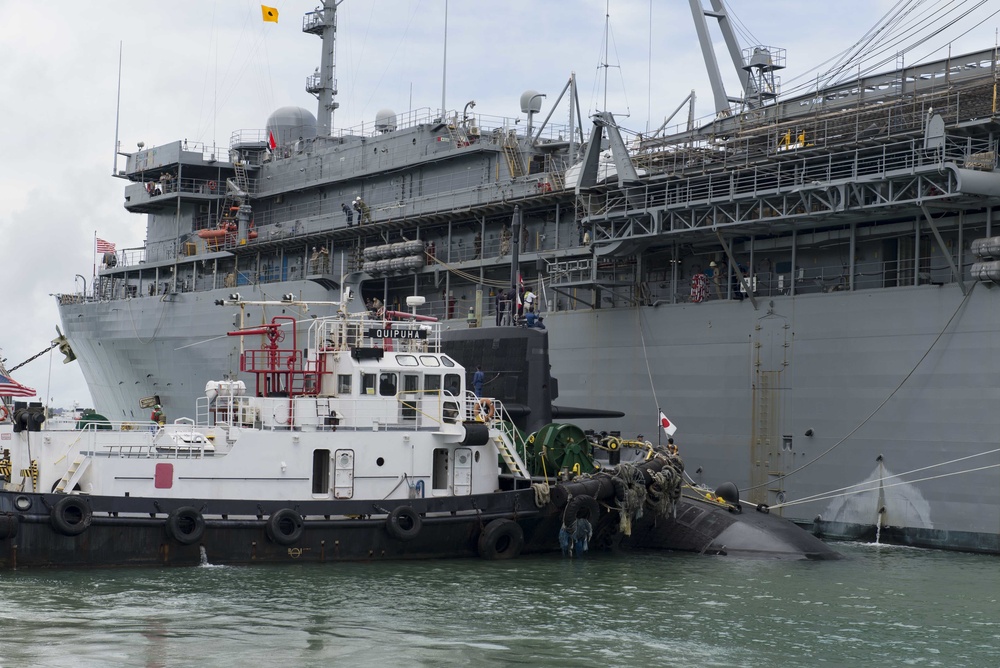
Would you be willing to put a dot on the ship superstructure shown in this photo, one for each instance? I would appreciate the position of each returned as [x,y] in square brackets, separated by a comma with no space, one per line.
[807,279]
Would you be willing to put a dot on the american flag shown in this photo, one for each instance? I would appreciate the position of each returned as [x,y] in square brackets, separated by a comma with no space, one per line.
[105,246]
[11,388]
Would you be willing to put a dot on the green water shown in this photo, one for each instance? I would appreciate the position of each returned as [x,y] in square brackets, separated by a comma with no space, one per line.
[883,606]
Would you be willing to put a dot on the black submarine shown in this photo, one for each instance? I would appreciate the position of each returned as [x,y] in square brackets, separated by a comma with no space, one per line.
[517,371]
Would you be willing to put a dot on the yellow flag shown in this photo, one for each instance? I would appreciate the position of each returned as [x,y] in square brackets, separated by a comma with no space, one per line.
[269,13]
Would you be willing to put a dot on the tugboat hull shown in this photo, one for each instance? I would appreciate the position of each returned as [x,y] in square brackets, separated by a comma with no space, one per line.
[114,532]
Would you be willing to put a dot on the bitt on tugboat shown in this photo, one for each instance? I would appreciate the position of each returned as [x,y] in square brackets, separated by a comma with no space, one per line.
[359,443]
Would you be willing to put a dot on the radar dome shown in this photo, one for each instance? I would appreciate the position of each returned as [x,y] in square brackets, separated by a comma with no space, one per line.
[531,102]
[385,120]
[290,124]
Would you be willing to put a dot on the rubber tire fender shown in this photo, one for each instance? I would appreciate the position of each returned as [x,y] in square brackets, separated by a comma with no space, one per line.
[185,525]
[71,516]
[8,525]
[501,539]
[278,524]
[403,523]
[582,506]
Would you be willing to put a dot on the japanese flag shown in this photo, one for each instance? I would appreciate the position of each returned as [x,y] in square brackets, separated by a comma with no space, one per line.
[668,426]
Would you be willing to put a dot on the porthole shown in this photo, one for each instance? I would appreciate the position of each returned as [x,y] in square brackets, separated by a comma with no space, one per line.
[380,461]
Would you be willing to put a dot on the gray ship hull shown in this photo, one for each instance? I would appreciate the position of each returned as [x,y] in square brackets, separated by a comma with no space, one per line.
[846,398]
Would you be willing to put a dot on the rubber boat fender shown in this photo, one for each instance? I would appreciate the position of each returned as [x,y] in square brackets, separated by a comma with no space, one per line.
[8,526]
[285,526]
[476,433]
[403,523]
[501,539]
[71,516]
[581,506]
[185,525]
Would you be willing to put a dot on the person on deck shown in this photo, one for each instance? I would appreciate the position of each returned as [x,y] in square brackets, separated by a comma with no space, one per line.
[158,416]
[477,381]
[348,213]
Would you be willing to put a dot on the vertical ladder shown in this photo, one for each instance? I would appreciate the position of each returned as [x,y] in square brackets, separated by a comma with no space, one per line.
[73,474]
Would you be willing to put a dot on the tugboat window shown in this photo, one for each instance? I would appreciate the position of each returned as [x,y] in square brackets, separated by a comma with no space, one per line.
[447,361]
[429,360]
[387,384]
[368,383]
[406,360]
[344,384]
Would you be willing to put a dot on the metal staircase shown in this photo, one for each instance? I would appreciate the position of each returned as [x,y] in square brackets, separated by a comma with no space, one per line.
[508,452]
[513,153]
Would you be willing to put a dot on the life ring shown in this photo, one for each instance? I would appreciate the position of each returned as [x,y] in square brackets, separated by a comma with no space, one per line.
[501,539]
[212,185]
[185,525]
[285,526]
[71,516]
[485,409]
[403,523]
[3,413]
[581,506]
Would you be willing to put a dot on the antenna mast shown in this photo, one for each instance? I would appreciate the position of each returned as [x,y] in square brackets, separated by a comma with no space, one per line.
[323,82]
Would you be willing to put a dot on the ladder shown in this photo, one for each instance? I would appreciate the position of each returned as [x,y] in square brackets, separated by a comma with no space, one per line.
[508,451]
[513,153]
[73,474]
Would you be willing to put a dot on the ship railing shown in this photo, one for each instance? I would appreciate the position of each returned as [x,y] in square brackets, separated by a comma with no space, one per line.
[855,128]
[370,331]
[808,171]
[389,410]
[776,277]
[145,440]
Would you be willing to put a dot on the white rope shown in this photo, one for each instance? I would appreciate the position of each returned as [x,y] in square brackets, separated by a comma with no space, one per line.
[897,475]
[877,484]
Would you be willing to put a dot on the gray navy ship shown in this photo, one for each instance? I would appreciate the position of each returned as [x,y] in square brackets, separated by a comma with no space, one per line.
[806,282]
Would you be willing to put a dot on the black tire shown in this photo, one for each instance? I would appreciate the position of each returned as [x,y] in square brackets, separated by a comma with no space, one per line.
[581,506]
[285,527]
[403,523]
[8,526]
[71,516]
[501,539]
[185,525]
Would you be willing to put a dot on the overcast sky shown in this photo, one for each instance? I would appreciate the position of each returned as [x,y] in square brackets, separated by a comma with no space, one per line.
[201,69]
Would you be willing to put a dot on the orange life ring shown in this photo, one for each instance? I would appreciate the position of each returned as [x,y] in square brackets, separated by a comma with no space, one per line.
[485,409]
[212,185]
[3,414]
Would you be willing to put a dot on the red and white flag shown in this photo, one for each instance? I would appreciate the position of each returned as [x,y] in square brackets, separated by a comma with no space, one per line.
[11,388]
[105,246]
[668,426]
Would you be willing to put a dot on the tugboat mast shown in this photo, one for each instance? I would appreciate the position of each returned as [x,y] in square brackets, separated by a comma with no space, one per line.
[323,82]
